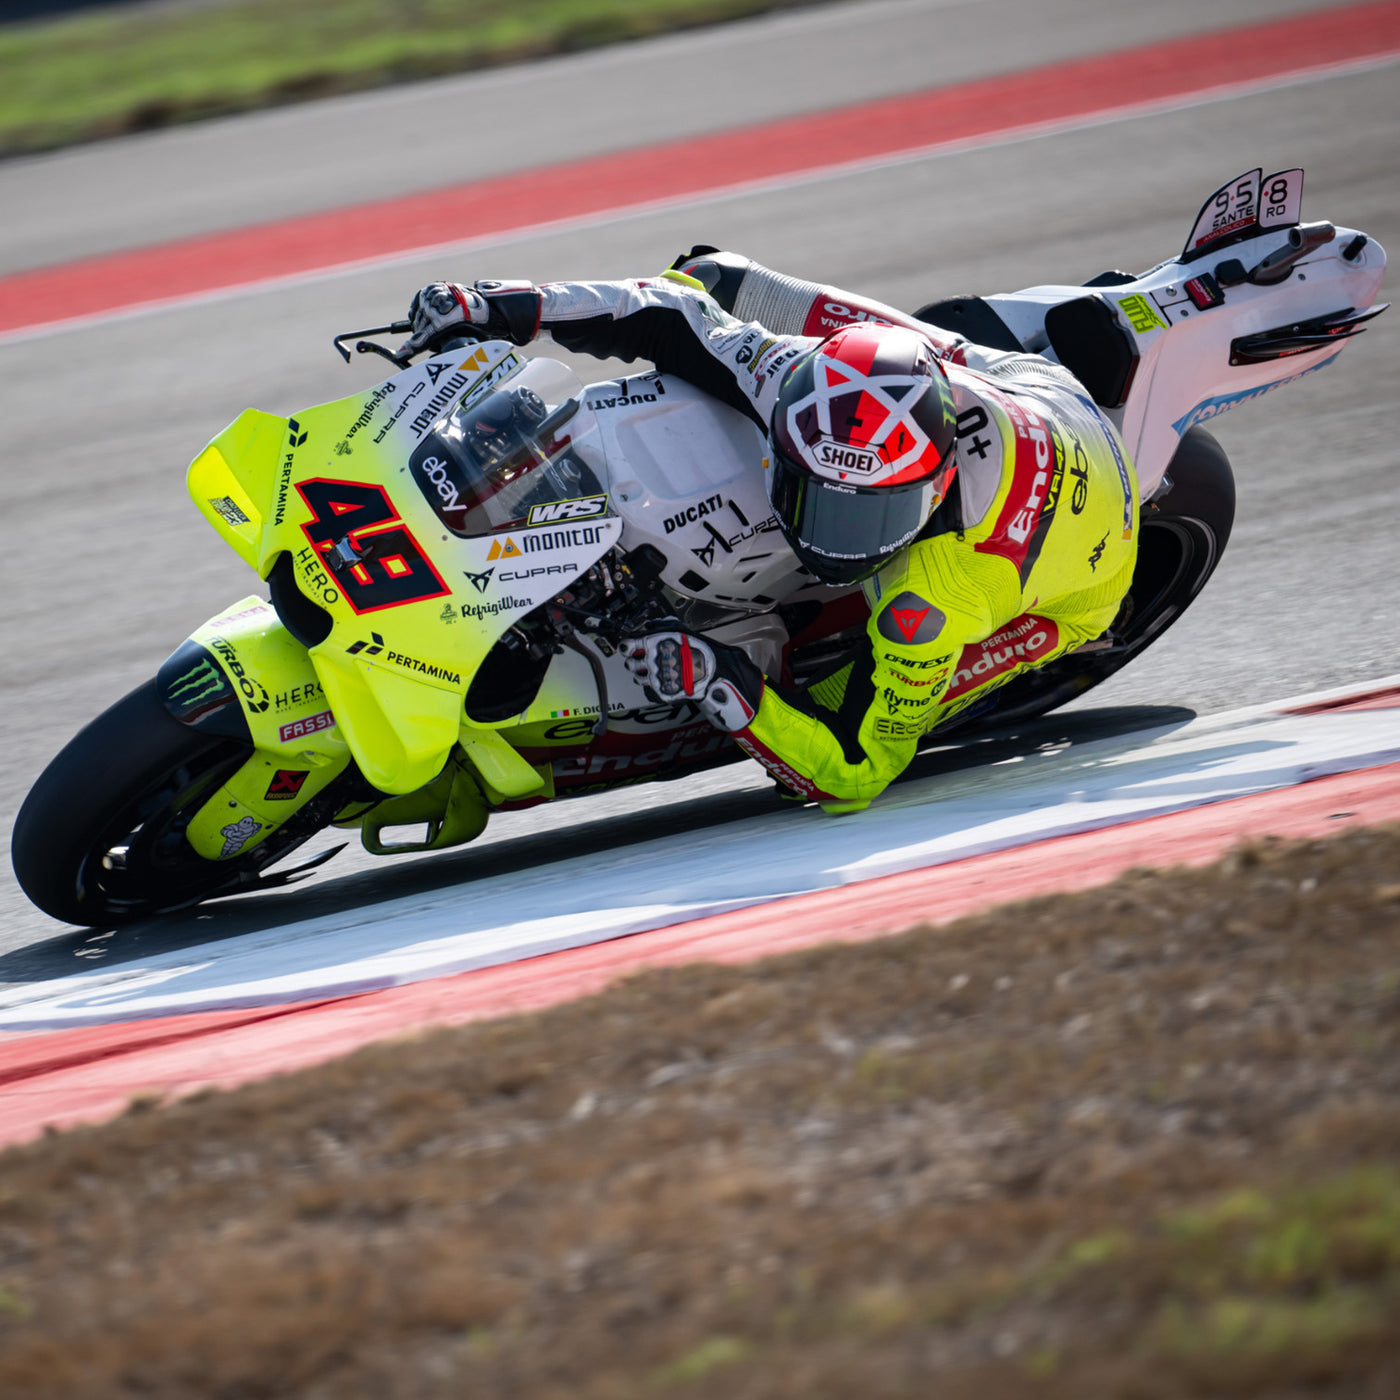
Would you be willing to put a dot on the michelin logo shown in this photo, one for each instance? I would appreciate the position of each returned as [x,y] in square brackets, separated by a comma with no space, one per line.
[1213,408]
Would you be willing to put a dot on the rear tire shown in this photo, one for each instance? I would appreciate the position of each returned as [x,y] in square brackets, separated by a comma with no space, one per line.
[100,840]
[1182,535]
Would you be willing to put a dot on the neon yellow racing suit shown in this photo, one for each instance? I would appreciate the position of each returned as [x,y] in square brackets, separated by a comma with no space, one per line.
[1033,569]
[1030,556]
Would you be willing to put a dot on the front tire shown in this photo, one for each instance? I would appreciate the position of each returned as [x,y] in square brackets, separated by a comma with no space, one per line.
[100,840]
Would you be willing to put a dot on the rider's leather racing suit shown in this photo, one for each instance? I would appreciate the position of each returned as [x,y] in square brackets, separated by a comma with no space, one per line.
[1030,556]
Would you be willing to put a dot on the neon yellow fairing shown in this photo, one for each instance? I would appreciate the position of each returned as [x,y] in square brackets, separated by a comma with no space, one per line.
[297,748]
[407,631]
[283,699]
[254,802]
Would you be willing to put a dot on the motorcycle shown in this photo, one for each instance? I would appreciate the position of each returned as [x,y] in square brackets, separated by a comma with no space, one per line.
[453,557]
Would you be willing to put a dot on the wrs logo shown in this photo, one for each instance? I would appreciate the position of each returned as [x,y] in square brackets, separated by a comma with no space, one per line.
[584,508]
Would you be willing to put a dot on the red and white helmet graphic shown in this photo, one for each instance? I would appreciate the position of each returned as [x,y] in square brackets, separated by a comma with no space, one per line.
[863,436]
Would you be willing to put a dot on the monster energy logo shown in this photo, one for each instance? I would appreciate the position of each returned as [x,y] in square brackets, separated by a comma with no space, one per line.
[202,682]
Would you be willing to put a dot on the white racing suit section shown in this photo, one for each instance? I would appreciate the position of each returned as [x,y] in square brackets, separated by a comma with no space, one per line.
[1030,557]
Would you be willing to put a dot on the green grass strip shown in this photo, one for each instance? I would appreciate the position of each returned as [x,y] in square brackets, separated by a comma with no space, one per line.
[105,73]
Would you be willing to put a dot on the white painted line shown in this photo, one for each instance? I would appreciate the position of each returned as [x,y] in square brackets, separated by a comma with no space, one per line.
[591,899]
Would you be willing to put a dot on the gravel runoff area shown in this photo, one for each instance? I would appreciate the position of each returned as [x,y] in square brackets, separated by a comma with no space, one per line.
[1139,1142]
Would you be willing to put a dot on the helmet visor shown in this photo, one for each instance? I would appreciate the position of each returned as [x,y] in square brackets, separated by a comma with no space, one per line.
[844,533]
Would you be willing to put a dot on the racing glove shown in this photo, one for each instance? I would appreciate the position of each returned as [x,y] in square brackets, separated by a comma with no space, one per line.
[489,310]
[675,666]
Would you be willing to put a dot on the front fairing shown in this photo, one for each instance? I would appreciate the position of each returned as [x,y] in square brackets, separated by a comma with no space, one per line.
[411,609]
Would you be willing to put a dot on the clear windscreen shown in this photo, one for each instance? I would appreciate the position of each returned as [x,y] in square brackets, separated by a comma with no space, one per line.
[505,457]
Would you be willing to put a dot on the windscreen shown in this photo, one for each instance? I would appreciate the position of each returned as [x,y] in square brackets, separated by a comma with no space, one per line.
[510,456]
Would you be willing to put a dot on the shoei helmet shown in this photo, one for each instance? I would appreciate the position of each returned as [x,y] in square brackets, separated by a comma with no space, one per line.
[863,435]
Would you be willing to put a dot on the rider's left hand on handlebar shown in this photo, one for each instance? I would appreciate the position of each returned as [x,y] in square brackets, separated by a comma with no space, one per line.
[489,310]
[439,307]
[675,666]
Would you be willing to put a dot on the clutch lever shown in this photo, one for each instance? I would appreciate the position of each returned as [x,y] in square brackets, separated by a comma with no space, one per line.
[368,347]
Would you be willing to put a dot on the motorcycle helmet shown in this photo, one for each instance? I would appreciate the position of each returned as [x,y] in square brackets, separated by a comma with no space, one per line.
[863,434]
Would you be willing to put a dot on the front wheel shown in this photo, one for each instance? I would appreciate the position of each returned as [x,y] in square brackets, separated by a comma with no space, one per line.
[1182,535]
[100,840]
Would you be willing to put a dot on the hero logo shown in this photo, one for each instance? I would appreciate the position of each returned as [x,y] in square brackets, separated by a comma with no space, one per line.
[839,457]
[584,508]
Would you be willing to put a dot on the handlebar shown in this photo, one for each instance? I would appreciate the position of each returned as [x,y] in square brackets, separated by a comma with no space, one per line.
[453,335]
[368,347]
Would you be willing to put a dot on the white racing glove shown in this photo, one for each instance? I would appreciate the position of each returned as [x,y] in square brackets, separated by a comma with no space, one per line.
[675,666]
[491,310]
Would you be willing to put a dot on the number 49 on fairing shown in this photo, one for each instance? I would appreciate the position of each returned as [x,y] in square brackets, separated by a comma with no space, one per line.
[360,538]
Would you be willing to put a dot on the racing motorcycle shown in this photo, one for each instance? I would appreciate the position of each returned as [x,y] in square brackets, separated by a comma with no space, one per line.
[452,558]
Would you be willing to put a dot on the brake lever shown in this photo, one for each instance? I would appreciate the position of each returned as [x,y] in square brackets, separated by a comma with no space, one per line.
[368,347]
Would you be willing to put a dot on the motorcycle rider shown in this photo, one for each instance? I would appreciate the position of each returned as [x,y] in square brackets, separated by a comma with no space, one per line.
[980,498]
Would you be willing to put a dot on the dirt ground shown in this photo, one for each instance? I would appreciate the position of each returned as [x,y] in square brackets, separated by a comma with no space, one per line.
[1140,1142]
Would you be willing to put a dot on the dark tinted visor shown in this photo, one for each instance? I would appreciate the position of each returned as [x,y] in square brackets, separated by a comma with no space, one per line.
[845,533]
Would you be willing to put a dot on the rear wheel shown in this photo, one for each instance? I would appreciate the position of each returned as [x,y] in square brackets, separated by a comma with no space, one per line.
[1181,537]
[100,840]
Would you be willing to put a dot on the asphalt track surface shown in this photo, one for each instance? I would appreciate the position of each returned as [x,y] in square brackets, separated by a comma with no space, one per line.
[107,566]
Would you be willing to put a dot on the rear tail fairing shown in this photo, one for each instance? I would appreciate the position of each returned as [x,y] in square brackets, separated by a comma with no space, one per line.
[1240,313]
[400,612]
